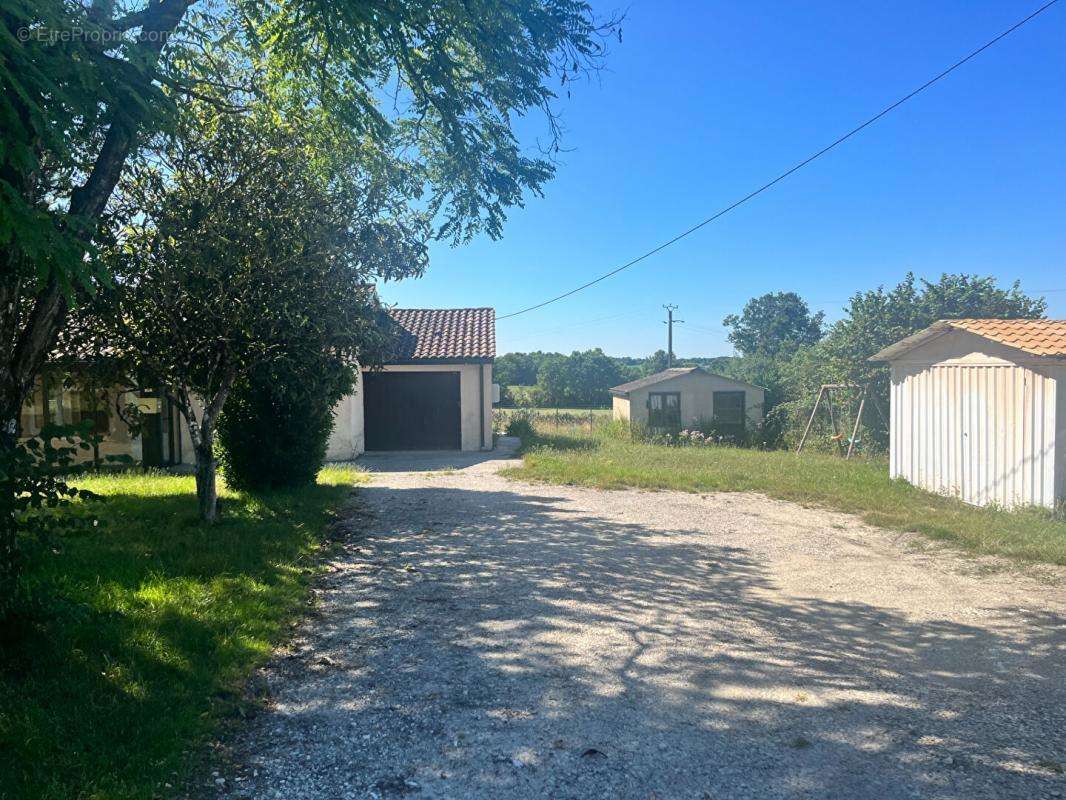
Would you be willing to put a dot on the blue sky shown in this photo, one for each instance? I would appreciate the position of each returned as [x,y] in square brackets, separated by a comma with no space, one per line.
[704,101]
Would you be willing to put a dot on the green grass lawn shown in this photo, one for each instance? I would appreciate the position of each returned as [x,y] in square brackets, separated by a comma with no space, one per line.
[860,487]
[596,413]
[148,626]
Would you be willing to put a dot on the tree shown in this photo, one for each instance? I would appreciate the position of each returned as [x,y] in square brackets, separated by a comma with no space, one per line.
[580,379]
[515,369]
[777,323]
[877,318]
[84,83]
[656,362]
[250,248]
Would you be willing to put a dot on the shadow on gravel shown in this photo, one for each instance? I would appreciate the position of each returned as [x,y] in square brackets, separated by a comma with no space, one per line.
[522,648]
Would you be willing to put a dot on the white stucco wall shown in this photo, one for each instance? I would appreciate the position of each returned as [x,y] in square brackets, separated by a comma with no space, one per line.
[979,421]
[697,398]
[348,440]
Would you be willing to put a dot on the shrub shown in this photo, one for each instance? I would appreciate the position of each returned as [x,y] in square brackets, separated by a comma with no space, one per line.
[276,424]
[520,424]
[33,486]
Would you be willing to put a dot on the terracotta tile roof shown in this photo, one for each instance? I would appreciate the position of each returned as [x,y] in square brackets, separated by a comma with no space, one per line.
[452,333]
[1038,337]
[1041,337]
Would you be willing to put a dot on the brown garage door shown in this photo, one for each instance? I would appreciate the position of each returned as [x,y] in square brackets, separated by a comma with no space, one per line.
[411,410]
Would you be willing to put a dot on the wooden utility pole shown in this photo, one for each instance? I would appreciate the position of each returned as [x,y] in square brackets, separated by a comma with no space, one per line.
[669,323]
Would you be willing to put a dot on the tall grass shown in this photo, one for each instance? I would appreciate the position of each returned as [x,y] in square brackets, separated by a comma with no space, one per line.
[147,626]
[608,458]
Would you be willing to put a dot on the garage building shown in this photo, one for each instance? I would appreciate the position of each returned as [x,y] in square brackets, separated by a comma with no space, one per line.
[434,393]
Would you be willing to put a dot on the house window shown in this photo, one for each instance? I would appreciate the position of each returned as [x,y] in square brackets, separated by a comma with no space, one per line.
[32,418]
[42,407]
[729,410]
[664,412]
[86,404]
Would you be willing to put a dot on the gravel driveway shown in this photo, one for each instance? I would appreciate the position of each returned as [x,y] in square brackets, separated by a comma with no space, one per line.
[482,638]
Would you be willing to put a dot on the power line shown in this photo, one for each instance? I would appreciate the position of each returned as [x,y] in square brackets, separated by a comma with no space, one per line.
[587,322]
[783,175]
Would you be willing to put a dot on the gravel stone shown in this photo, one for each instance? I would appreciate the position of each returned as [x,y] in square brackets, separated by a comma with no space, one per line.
[477,637]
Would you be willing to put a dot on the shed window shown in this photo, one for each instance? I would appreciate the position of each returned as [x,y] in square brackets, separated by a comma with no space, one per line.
[729,409]
[664,411]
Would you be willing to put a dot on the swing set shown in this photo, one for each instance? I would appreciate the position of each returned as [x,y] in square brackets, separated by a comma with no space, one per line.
[830,392]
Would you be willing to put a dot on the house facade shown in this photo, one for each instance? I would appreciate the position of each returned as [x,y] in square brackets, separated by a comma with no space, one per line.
[978,410]
[686,397]
[435,392]
[161,440]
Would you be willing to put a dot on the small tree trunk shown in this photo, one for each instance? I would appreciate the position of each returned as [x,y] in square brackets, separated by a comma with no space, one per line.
[206,486]
[9,552]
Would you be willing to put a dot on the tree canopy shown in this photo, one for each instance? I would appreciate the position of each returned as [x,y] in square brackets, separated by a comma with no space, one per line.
[872,320]
[774,324]
[437,84]
[877,318]
[582,379]
[246,249]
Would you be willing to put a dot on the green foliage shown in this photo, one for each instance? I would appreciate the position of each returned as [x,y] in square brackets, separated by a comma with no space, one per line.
[656,362]
[277,421]
[34,488]
[250,245]
[520,374]
[581,379]
[149,628]
[516,369]
[59,94]
[252,248]
[457,74]
[520,423]
[792,371]
[421,95]
[773,325]
[875,319]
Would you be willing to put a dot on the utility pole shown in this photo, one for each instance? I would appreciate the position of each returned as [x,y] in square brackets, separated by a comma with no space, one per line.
[669,323]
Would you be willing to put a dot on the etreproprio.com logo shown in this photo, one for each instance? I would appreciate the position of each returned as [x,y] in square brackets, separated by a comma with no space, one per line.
[94,35]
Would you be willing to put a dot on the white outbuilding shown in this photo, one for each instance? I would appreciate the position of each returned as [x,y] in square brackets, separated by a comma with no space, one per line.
[683,397]
[979,410]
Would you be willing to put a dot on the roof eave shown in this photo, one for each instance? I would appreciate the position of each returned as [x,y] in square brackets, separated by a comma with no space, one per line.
[396,362]
[894,351]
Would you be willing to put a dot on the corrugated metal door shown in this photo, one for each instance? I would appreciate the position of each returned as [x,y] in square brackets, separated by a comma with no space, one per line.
[983,433]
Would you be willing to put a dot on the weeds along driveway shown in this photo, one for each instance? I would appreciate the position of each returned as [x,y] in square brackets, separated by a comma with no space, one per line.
[480,638]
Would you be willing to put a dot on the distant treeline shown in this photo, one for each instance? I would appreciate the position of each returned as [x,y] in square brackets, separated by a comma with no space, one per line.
[785,348]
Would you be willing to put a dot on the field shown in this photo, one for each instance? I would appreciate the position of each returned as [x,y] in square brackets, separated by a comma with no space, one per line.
[605,458]
[146,629]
